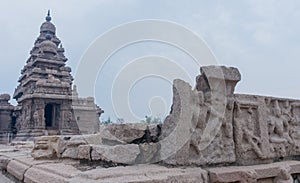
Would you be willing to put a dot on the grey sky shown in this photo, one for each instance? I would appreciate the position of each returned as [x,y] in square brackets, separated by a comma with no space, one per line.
[261,38]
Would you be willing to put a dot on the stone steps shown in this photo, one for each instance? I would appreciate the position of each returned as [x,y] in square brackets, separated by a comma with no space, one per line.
[17,161]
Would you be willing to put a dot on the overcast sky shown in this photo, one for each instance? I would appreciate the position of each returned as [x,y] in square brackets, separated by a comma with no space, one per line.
[260,38]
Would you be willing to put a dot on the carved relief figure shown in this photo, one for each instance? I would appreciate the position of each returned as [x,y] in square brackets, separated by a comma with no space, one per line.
[249,177]
[52,79]
[279,127]
[286,111]
[26,122]
[252,139]
[38,118]
[295,123]
[68,118]
[197,120]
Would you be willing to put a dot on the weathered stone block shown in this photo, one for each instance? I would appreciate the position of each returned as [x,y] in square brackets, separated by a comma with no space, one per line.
[50,172]
[143,174]
[35,175]
[199,128]
[126,132]
[266,129]
[45,147]
[149,153]
[84,152]
[282,172]
[17,169]
[125,154]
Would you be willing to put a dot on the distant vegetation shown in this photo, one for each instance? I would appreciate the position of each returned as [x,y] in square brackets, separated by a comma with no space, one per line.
[148,120]
[108,121]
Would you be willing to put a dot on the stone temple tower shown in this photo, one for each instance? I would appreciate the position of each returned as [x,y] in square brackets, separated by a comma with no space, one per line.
[44,93]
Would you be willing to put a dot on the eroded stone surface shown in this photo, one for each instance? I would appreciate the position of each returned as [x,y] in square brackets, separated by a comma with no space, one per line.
[130,131]
[208,126]
[144,174]
[6,112]
[266,128]
[282,172]
[17,169]
[29,170]
[47,105]
[203,118]
[125,154]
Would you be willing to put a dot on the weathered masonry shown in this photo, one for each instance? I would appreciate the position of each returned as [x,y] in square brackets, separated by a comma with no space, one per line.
[47,105]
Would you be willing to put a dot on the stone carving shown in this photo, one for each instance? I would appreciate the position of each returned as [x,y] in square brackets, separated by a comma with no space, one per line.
[208,125]
[44,93]
[272,134]
[68,118]
[284,176]
[204,105]
[38,117]
[252,130]
[279,126]
[52,79]
[249,132]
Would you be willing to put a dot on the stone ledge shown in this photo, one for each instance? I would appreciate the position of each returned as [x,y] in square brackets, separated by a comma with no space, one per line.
[143,174]
[261,173]
[26,169]
[17,169]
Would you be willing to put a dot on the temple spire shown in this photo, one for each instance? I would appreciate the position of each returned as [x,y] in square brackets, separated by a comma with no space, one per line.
[48,17]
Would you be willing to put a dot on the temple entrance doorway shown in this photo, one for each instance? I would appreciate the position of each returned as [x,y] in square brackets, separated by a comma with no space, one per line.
[49,115]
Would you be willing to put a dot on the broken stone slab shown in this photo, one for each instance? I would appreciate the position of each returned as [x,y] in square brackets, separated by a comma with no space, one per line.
[84,152]
[35,175]
[143,174]
[66,146]
[199,130]
[214,77]
[275,172]
[122,154]
[128,132]
[50,172]
[58,146]
[46,147]
[149,153]
[18,166]
[17,169]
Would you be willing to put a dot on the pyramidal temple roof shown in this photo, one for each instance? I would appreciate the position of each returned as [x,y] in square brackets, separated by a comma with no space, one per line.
[45,66]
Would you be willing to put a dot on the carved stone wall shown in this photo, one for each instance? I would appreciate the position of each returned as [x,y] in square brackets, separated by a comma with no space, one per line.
[6,112]
[207,113]
[266,128]
[228,128]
